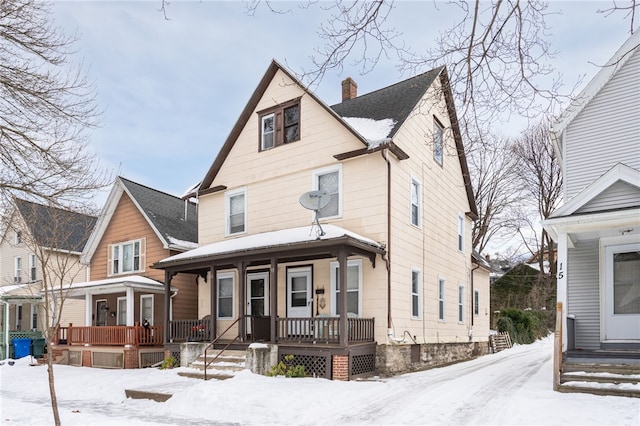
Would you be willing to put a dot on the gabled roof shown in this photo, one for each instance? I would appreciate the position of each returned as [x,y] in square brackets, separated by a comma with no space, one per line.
[619,172]
[395,102]
[173,220]
[606,73]
[56,228]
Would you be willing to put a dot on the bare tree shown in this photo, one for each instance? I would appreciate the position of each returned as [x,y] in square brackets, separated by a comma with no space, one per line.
[56,237]
[540,178]
[494,189]
[46,106]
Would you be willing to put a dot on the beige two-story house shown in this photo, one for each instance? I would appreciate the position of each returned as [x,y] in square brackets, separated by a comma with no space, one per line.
[373,192]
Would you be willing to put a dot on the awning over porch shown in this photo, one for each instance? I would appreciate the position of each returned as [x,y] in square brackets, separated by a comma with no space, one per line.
[114,285]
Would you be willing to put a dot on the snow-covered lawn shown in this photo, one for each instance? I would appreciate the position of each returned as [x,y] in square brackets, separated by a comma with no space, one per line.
[512,387]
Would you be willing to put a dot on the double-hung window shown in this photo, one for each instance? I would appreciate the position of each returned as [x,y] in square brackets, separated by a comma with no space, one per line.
[17,269]
[225,294]
[441,289]
[32,267]
[438,140]
[416,291]
[415,202]
[280,125]
[236,211]
[127,257]
[460,232]
[330,180]
[476,302]
[146,308]
[354,287]
[121,311]
[460,303]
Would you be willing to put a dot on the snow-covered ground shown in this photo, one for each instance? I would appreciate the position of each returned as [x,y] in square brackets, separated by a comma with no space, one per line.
[512,387]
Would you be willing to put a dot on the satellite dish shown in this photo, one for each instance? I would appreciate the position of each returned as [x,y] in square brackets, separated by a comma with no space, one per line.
[315,200]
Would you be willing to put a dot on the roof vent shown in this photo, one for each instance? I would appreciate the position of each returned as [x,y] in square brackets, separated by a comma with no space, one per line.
[349,89]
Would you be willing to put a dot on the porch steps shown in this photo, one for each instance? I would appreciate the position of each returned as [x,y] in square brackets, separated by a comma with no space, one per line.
[601,378]
[226,366]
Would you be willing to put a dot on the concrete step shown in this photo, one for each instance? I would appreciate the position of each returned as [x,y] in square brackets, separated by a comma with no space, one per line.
[611,368]
[615,379]
[225,366]
[599,389]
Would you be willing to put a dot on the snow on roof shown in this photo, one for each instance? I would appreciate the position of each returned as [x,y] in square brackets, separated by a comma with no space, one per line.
[131,279]
[187,245]
[374,131]
[270,239]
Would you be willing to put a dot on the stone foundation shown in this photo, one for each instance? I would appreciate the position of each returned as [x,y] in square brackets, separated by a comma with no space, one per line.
[399,359]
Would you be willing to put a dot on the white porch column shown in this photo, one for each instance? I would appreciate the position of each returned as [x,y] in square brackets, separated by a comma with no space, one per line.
[563,242]
[130,304]
[88,307]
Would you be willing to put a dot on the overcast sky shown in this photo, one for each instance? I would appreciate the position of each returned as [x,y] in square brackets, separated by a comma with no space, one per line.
[172,89]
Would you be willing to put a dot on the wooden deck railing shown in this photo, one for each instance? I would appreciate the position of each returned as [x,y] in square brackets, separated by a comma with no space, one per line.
[190,331]
[324,329]
[111,335]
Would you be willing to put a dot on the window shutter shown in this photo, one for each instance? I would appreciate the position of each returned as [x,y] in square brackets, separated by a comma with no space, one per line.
[143,254]
[109,260]
[279,136]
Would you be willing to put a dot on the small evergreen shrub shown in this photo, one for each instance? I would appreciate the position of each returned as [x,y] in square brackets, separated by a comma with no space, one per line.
[524,327]
[169,362]
[287,369]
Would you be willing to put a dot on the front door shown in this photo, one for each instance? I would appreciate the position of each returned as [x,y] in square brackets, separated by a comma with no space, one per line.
[622,292]
[101,312]
[299,300]
[257,299]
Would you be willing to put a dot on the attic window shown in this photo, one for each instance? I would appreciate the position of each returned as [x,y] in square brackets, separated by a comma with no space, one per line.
[280,125]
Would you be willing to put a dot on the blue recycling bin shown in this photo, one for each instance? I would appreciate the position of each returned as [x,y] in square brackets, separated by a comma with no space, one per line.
[21,348]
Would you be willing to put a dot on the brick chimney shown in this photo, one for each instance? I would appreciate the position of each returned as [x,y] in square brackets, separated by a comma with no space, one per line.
[349,89]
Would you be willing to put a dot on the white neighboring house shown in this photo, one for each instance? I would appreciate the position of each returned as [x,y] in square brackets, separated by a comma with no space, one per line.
[597,229]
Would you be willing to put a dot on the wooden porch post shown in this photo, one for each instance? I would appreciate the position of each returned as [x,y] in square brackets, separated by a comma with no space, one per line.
[242,305]
[342,261]
[167,308]
[273,299]
[213,299]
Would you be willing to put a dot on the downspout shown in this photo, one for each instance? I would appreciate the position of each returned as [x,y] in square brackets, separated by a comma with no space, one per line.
[473,302]
[387,257]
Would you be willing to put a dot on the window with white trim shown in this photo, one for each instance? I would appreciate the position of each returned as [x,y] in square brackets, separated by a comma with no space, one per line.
[17,269]
[236,211]
[330,179]
[146,308]
[226,287]
[34,317]
[460,232]
[438,148]
[354,287]
[416,292]
[121,311]
[476,302]
[126,257]
[441,290]
[32,267]
[415,202]
[460,303]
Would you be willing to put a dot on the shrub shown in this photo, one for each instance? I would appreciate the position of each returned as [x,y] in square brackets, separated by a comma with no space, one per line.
[287,369]
[169,362]
[523,326]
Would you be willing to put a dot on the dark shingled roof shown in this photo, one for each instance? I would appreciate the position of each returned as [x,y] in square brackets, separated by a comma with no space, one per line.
[395,101]
[56,228]
[166,212]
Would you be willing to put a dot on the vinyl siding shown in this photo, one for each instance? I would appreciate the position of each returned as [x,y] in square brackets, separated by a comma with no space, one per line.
[583,292]
[619,195]
[606,131]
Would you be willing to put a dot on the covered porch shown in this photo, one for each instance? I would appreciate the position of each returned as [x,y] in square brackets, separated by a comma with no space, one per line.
[266,258]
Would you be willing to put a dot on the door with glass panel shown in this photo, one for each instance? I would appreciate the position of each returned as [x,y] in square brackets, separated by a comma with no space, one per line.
[299,300]
[258,303]
[622,292]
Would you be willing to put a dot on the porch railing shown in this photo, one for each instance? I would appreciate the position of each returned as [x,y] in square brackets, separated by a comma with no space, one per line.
[324,329]
[111,335]
[190,331]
